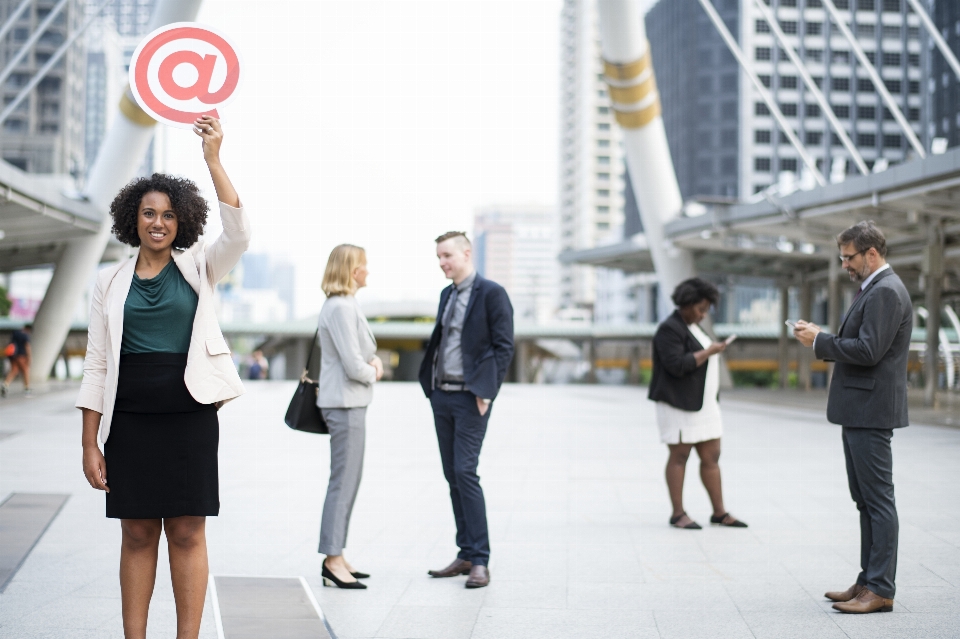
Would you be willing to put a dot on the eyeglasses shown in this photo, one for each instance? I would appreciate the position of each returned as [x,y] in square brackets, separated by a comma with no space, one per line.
[847,258]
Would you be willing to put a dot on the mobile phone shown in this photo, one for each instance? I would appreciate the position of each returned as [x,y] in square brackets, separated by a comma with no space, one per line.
[730,339]
[791,324]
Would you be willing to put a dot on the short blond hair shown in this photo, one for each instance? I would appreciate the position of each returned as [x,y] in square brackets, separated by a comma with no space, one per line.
[338,276]
[459,236]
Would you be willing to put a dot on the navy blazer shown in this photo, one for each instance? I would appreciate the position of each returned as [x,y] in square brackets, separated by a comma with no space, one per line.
[486,342]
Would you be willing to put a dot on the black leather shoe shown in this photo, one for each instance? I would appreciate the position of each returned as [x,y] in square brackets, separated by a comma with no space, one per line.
[479,577]
[726,519]
[692,525]
[458,567]
[360,575]
[330,579]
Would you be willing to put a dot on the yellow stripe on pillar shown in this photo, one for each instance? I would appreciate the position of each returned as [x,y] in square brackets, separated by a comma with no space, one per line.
[133,112]
[638,119]
[635,93]
[627,70]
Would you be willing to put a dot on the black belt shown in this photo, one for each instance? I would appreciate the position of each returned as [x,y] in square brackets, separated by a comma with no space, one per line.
[452,386]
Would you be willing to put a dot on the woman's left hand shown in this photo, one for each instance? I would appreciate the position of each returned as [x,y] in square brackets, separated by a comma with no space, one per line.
[208,128]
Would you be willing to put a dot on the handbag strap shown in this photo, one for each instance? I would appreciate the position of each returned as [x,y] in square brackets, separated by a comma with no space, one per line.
[306,371]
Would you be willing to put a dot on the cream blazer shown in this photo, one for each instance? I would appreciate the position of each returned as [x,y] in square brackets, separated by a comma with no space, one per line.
[210,375]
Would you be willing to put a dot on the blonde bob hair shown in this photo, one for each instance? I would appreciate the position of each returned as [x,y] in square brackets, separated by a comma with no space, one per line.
[338,276]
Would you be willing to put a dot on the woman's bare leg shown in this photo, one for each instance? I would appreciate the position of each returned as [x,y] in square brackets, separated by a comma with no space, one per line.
[709,453]
[187,545]
[138,572]
[676,469]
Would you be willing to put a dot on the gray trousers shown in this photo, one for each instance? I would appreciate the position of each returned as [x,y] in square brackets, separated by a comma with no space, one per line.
[870,475]
[347,434]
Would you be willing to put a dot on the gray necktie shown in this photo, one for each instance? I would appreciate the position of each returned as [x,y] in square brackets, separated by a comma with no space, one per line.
[451,304]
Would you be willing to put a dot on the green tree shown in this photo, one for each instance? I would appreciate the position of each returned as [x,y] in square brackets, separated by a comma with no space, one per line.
[5,302]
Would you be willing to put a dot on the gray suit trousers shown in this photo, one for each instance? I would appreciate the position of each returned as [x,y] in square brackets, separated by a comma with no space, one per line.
[870,475]
[347,436]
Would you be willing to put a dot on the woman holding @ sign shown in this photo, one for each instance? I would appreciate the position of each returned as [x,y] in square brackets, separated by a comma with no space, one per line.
[349,367]
[156,372]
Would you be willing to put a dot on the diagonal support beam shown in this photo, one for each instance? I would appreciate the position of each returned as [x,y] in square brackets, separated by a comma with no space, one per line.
[808,160]
[935,34]
[875,77]
[32,40]
[12,19]
[812,86]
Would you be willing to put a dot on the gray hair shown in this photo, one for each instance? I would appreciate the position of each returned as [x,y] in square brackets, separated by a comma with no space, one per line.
[865,236]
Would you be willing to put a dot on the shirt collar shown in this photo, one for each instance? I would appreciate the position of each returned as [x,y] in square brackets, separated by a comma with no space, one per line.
[467,282]
[870,277]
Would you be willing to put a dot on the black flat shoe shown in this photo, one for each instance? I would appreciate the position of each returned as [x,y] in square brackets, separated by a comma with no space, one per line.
[360,575]
[330,579]
[719,521]
[691,526]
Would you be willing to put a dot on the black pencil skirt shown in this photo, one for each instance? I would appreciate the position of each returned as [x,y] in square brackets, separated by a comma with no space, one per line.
[161,454]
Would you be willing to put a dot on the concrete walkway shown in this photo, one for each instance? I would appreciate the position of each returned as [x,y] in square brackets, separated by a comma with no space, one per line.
[578,514]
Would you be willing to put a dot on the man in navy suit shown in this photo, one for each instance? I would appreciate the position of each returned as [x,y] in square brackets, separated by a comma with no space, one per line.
[465,364]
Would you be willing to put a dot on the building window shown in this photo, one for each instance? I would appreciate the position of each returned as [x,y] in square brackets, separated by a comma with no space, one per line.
[728,82]
[728,166]
[761,136]
[871,57]
[867,112]
[893,86]
[603,110]
[788,164]
[762,26]
[762,53]
[865,29]
[603,192]
[789,109]
[728,110]
[603,177]
[841,110]
[706,84]
[765,80]
[760,109]
[914,87]
[761,165]
[601,93]
[866,139]
[788,26]
[705,166]
[603,159]
[892,141]
[603,126]
[813,137]
[603,209]
[840,84]
[891,59]
[812,110]
[913,59]
[814,28]
[913,114]
[815,55]
[840,57]
[788,3]
[818,80]
[866,5]
[891,31]
[728,137]
[835,140]
[788,82]
[603,143]
[864,85]
[887,115]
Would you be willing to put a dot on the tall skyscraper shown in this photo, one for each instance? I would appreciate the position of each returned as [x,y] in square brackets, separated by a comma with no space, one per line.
[45,133]
[516,247]
[720,131]
[591,160]
[944,85]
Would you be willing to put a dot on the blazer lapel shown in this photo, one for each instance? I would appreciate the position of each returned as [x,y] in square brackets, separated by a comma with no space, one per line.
[861,297]
[119,289]
[473,296]
[188,267]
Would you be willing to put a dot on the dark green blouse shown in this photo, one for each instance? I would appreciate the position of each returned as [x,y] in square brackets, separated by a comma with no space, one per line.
[158,314]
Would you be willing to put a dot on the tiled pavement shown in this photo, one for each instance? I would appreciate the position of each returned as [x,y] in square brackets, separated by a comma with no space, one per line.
[577,507]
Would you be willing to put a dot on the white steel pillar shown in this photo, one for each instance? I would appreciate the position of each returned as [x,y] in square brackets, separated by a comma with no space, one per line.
[628,70]
[119,157]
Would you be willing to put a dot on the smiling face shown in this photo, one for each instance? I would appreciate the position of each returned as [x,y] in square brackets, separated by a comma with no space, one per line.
[454,256]
[156,222]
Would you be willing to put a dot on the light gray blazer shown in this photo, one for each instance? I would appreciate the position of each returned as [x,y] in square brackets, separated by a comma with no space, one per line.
[346,345]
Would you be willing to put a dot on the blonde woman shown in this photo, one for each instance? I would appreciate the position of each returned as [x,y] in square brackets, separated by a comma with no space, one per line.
[348,368]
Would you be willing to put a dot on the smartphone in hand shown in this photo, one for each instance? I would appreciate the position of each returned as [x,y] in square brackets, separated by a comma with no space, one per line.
[730,339]
[792,324]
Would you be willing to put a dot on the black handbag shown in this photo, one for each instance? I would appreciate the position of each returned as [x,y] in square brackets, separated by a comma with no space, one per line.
[303,413]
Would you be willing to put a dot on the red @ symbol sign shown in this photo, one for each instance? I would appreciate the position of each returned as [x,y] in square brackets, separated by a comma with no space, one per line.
[182,71]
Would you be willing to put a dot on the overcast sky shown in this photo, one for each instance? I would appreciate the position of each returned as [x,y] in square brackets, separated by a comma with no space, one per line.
[382,124]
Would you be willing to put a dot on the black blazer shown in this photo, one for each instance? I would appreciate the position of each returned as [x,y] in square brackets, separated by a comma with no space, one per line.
[869,385]
[486,343]
[677,380]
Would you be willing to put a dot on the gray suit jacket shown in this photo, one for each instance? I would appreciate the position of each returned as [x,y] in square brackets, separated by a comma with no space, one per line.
[346,345]
[869,386]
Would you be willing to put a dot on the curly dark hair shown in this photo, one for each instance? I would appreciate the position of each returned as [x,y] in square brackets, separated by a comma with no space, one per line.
[694,291]
[188,204]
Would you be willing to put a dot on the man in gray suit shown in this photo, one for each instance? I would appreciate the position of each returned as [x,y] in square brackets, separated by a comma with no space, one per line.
[868,397]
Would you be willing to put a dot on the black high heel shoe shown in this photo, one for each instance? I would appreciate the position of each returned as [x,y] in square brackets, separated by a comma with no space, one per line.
[360,575]
[330,579]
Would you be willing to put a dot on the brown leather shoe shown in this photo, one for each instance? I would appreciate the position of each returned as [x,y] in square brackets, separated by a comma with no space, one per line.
[846,595]
[865,602]
[458,567]
[479,577]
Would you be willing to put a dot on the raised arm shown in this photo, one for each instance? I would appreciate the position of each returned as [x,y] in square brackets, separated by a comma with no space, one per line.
[208,128]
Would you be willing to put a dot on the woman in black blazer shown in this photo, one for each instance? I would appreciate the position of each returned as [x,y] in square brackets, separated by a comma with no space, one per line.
[686,387]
